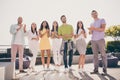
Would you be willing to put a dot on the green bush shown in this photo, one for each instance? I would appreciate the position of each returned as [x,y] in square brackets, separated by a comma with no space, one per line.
[89,48]
[113,46]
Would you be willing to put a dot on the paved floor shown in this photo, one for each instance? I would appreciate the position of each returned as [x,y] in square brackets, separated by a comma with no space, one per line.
[113,74]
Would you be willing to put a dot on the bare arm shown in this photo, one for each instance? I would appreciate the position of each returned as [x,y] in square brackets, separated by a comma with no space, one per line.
[41,35]
[55,34]
[85,35]
[52,34]
[101,29]
[48,32]
[68,35]
[37,38]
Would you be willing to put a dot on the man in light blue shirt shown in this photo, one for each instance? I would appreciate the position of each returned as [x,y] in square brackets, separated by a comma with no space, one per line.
[17,45]
[97,29]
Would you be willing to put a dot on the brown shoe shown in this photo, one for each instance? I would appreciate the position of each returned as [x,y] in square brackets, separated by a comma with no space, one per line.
[22,71]
[104,72]
[94,72]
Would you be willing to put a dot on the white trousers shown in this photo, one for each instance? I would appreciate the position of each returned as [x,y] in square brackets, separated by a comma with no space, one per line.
[33,46]
[56,44]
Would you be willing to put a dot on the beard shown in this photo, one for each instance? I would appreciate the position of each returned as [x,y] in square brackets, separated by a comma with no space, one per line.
[19,22]
[63,21]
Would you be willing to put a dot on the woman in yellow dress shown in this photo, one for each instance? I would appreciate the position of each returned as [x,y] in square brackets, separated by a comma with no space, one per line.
[44,33]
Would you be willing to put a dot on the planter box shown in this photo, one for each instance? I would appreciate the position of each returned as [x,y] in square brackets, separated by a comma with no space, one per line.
[89,59]
[117,55]
[112,62]
[2,73]
[4,68]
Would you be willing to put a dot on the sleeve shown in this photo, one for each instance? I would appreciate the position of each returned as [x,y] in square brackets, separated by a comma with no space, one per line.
[59,31]
[103,21]
[72,29]
[13,30]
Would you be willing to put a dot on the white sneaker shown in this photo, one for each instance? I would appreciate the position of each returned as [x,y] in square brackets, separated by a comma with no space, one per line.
[33,69]
[66,70]
[56,68]
[70,68]
[29,71]
[83,70]
[48,69]
[80,70]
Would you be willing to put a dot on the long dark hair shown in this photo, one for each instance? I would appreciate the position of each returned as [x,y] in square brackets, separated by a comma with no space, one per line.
[46,27]
[79,27]
[56,26]
[35,29]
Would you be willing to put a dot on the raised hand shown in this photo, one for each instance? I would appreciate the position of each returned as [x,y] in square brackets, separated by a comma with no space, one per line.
[82,32]
[20,26]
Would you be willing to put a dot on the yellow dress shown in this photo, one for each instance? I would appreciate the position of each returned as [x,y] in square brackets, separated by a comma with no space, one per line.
[44,41]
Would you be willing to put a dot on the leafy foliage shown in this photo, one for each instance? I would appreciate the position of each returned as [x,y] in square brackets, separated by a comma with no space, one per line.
[114,32]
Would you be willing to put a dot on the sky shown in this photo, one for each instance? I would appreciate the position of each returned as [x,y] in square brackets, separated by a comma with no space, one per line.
[50,10]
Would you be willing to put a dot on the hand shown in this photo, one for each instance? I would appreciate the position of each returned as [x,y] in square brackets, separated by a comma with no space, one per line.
[24,26]
[41,35]
[53,33]
[67,35]
[91,28]
[47,30]
[60,37]
[20,26]
[82,32]
[33,39]
[75,36]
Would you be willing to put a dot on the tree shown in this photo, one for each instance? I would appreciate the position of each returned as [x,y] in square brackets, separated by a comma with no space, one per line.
[114,32]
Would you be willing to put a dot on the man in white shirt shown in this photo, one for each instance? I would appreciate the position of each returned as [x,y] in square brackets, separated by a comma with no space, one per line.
[18,31]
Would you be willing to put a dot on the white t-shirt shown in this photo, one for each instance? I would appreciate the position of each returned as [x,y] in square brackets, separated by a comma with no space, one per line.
[81,36]
[31,35]
[19,36]
[33,44]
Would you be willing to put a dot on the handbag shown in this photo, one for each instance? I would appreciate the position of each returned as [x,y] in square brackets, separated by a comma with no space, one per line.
[30,54]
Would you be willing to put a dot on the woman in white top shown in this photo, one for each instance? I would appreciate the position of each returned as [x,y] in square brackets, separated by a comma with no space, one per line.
[56,44]
[81,44]
[33,45]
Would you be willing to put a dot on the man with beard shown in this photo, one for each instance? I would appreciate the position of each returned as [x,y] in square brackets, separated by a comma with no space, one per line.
[65,32]
[17,45]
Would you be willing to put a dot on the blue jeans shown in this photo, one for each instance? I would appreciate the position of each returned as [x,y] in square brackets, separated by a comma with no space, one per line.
[65,55]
